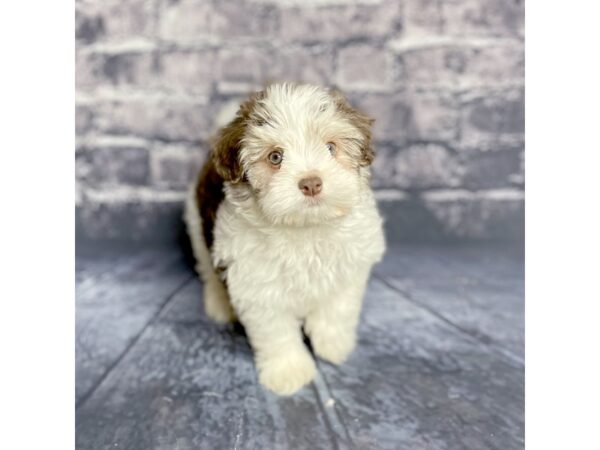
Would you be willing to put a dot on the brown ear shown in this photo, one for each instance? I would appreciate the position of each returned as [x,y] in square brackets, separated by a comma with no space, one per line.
[228,143]
[361,121]
[226,150]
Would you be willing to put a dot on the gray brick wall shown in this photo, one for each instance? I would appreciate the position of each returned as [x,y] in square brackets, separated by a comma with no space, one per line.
[444,80]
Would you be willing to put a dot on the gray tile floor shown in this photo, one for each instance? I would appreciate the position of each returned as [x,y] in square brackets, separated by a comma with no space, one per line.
[439,363]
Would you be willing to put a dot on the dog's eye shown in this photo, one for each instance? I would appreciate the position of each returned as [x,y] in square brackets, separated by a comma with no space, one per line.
[331,148]
[275,157]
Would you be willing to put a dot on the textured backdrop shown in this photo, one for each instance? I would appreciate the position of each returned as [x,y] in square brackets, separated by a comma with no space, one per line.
[442,78]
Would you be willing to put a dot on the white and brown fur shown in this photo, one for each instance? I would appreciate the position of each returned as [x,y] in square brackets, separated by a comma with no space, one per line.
[274,257]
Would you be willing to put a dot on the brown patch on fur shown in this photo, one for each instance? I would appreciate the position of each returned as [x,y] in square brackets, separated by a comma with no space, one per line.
[361,121]
[227,145]
[223,164]
[226,150]
[209,195]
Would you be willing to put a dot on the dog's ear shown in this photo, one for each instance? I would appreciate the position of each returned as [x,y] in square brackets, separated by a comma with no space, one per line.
[228,143]
[362,123]
[226,150]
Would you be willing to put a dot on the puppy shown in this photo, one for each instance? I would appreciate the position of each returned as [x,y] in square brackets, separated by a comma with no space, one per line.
[285,228]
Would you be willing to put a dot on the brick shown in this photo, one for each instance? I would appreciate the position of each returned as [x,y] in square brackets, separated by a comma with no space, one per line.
[416,167]
[518,177]
[484,17]
[88,27]
[189,72]
[425,166]
[113,20]
[413,116]
[123,69]
[79,186]
[460,65]
[495,65]
[364,67]
[242,69]
[339,23]
[174,167]
[84,119]
[113,163]
[423,17]
[494,214]
[490,143]
[199,20]
[493,116]
[304,64]
[487,170]
[435,116]
[170,119]
[382,168]
[185,20]
[429,64]
[392,115]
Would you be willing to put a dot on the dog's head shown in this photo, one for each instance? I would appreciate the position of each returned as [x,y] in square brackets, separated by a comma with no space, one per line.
[301,150]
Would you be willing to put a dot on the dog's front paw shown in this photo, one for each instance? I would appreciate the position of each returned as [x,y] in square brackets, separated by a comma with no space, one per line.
[332,346]
[285,374]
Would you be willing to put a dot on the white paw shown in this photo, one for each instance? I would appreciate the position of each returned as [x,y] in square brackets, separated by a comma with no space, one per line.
[285,374]
[333,347]
[216,303]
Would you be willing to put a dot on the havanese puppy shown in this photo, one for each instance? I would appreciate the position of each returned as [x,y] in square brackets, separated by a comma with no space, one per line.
[285,228]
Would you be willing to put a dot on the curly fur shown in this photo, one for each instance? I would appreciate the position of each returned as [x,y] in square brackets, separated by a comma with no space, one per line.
[273,257]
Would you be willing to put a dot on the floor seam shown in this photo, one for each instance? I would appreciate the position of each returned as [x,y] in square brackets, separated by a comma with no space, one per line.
[328,425]
[497,348]
[133,342]
[336,413]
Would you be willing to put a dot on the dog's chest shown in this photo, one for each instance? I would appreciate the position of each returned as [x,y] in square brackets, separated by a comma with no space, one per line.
[303,263]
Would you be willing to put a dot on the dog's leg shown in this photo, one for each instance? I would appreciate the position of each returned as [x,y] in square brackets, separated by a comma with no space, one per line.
[216,299]
[332,325]
[283,362]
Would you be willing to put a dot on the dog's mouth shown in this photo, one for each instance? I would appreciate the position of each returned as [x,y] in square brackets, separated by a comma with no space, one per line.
[313,202]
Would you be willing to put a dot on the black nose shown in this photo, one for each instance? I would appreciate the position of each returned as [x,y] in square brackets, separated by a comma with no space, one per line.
[310,186]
